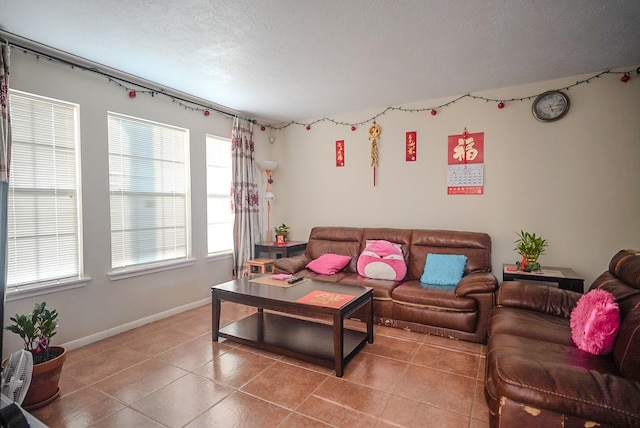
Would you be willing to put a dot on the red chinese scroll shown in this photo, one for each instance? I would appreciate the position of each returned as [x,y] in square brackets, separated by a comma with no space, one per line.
[340,153]
[411,146]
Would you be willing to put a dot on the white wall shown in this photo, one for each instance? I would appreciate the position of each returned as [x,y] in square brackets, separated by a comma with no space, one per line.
[574,181]
[91,311]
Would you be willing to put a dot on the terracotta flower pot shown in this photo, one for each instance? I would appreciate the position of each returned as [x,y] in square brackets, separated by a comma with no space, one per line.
[44,380]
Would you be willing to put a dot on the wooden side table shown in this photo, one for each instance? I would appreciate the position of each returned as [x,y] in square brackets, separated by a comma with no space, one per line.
[566,278]
[275,250]
[263,265]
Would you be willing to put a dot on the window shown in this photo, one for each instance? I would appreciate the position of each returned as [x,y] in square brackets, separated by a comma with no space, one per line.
[43,211]
[219,215]
[148,182]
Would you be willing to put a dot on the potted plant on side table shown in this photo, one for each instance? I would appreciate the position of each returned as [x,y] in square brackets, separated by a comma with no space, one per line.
[36,330]
[530,247]
[281,233]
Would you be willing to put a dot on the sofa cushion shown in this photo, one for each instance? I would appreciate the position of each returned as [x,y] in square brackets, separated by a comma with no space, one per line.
[382,260]
[443,269]
[328,264]
[336,240]
[627,347]
[538,298]
[414,294]
[476,246]
[626,265]
[531,324]
[435,307]
[382,288]
[595,321]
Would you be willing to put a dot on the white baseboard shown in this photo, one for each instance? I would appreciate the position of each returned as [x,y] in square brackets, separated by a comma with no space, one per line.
[74,344]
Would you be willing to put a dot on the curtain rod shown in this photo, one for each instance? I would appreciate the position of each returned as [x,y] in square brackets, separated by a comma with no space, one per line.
[94,69]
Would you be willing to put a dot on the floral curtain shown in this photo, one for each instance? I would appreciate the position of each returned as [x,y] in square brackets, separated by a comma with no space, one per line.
[5,152]
[5,128]
[245,197]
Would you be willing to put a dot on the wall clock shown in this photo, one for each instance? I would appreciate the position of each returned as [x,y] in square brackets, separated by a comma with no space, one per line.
[550,106]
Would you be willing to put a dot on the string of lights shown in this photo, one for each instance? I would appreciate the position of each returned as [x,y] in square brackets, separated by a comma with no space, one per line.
[133,89]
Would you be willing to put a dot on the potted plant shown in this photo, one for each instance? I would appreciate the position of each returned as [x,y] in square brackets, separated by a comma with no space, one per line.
[36,330]
[281,233]
[530,247]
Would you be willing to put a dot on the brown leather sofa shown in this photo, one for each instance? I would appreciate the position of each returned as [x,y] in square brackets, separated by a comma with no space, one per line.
[535,375]
[462,313]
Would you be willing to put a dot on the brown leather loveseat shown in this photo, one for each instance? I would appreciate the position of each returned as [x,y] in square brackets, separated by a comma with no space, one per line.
[536,376]
[460,313]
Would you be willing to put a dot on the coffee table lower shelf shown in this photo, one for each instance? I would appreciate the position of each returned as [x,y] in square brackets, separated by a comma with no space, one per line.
[304,340]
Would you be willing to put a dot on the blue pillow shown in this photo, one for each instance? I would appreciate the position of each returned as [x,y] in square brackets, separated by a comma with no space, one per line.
[443,269]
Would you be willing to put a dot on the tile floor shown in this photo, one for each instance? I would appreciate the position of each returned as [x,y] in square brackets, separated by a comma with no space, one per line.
[170,374]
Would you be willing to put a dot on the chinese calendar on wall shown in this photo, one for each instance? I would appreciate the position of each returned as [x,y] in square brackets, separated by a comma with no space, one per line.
[340,153]
[411,149]
[466,164]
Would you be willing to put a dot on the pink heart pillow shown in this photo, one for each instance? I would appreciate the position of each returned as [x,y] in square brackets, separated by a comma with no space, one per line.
[595,322]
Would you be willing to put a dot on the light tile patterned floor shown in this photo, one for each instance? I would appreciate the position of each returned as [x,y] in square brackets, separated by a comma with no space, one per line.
[170,374]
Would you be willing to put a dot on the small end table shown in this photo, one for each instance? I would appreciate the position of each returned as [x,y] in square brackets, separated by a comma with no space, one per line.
[276,250]
[566,278]
[262,265]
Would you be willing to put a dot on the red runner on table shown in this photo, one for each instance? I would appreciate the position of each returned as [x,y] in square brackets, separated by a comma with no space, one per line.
[326,298]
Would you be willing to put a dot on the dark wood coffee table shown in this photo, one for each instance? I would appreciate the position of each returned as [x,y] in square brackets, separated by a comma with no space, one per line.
[305,339]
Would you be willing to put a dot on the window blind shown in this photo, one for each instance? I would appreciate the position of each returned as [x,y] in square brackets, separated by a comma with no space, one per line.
[148,182]
[43,222]
[219,215]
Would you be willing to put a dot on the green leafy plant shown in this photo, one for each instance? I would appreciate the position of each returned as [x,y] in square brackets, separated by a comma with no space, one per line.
[282,230]
[36,330]
[530,247]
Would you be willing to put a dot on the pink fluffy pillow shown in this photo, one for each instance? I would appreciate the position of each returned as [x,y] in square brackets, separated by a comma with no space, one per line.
[595,322]
[328,264]
[382,260]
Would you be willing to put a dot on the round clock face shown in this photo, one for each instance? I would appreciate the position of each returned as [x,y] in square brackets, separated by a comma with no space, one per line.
[550,106]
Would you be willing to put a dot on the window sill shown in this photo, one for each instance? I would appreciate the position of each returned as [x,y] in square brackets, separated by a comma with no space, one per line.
[116,275]
[38,289]
[222,255]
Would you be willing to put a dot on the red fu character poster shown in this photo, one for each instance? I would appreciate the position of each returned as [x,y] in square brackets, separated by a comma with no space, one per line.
[466,164]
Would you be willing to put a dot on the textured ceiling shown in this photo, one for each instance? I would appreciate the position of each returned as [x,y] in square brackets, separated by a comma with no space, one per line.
[285,60]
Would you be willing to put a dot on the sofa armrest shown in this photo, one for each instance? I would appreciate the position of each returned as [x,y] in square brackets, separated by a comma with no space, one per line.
[540,298]
[564,386]
[291,264]
[476,282]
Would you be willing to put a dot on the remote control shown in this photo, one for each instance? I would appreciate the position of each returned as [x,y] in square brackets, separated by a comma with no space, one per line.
[295,279]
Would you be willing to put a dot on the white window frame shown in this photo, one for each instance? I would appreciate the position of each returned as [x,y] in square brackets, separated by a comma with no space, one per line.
[165,202]
[218,194]
[44,215]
